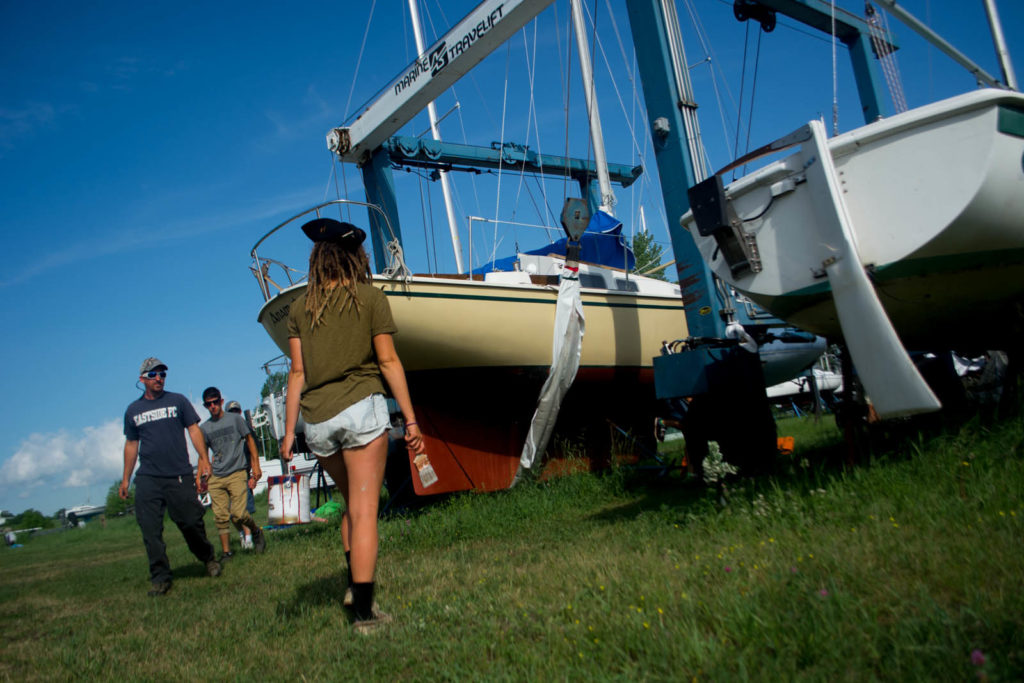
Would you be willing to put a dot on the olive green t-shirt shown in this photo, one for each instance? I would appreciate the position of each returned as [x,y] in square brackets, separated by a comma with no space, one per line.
[338,357]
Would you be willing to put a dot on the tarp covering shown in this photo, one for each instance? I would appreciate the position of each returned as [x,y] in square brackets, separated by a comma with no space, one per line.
[603,243]
[565,361]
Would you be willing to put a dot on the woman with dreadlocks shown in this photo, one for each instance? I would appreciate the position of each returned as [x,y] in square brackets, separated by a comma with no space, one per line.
[341,354]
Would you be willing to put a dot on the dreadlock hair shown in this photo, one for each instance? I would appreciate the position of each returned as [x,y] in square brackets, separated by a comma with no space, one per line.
[333,269]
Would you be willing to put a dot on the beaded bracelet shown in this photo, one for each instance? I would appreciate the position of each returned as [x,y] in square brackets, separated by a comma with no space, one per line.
[409,424]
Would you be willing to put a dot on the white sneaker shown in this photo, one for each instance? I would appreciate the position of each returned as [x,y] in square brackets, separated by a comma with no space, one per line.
[373,624]
[247,543]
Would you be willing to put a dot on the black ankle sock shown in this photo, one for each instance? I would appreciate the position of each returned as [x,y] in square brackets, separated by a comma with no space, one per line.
[362,600]
[348,560]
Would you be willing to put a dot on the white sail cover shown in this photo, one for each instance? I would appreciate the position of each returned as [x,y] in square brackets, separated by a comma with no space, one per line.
[565,361]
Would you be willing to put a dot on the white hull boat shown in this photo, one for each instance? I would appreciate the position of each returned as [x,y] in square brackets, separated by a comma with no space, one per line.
[935,197]
[936,201]
[827,381]
[908,230]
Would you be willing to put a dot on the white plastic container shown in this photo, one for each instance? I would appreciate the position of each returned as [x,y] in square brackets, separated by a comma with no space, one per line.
[288,499]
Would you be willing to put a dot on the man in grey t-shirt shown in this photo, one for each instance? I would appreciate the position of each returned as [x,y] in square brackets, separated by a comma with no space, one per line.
[228,436]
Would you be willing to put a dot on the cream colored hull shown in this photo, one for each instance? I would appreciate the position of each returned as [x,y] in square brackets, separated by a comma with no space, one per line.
[448,324]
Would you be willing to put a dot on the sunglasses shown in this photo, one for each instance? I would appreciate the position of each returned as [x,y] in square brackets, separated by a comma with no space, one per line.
[212,402]
[153,374]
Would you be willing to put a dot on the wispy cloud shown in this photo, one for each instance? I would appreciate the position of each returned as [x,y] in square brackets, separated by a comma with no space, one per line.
[20,122]
[143,236]
[68,460]
[122,72]
[317,113]
[64,459]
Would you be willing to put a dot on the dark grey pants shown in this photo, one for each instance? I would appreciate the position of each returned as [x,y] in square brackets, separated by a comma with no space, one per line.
[176,496]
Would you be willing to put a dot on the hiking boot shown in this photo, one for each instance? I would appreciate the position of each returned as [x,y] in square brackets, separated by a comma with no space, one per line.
[159,588]
[374,623]
[225,557]
[213,568]
[259,540]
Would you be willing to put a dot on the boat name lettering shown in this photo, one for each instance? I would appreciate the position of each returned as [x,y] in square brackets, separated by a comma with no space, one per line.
[471,37]
[420,66]
[280,314]
[442,55]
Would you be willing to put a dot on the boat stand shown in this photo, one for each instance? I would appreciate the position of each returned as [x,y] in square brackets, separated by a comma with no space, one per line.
[662,468]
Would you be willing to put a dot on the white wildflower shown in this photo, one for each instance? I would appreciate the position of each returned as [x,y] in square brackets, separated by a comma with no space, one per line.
[715,468]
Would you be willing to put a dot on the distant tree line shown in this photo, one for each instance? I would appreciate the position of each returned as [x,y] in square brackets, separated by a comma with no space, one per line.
[115,505]
[32,519]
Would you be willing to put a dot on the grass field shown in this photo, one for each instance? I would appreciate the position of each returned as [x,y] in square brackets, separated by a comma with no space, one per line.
[908,568]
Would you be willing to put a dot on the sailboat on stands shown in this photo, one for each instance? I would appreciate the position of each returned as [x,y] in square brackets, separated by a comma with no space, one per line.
[903,233]
[477,346]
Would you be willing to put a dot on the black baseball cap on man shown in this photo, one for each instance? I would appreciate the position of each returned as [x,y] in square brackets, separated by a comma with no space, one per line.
[330,230]
[151,364]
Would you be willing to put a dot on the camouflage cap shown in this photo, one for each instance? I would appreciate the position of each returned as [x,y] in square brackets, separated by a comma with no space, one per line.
[151,364]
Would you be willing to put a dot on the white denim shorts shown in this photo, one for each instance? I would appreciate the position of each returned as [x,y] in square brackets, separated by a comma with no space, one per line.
[356,426]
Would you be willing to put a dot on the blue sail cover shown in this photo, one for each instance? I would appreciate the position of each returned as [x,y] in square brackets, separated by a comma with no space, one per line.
[603,243]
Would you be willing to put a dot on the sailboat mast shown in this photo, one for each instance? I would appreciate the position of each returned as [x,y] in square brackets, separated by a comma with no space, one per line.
[596,136]
[1001,50]
[446,189]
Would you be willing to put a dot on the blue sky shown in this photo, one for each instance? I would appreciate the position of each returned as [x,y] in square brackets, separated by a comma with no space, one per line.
[144,148]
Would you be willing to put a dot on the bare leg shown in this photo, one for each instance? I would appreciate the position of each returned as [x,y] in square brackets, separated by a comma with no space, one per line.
[335,466]
[359,474]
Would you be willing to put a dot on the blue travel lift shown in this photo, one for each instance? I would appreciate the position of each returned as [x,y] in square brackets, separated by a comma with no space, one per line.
[718,386]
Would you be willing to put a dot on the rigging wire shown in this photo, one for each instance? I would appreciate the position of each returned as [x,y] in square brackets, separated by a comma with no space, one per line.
[743,80]
[359,61]
[709,51]
[563,75]
[333,175]
[530,110]
[501,155]
[551,218]
[590,139]
[532,67]
[423,221]
[835,74]
[433,226]
[879,26]
[641,151]
[712,61]
[566,90]
[753,91]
